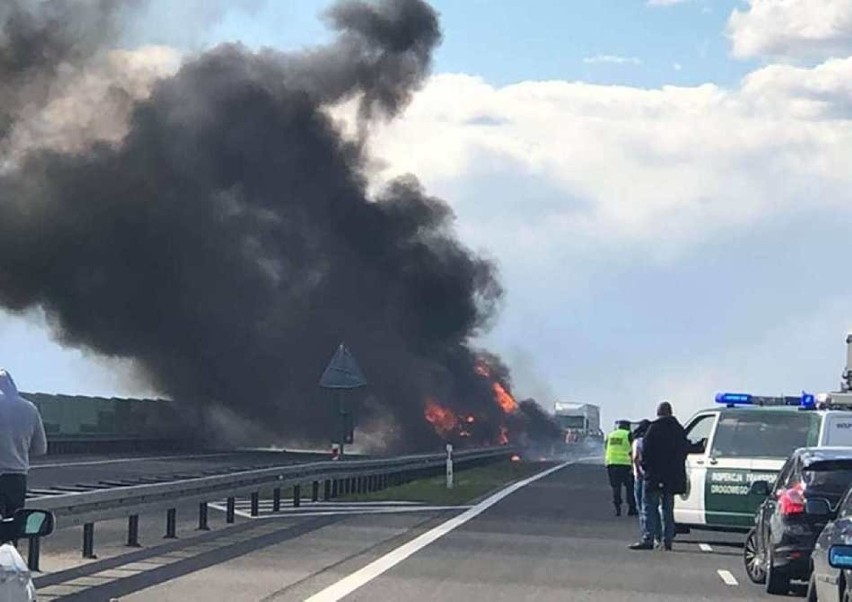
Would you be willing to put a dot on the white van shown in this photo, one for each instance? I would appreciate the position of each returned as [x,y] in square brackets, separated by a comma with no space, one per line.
[748,440]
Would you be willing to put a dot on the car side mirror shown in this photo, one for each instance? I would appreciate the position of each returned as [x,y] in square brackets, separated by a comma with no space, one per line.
[33,523]
[818,507]
[840,557]
[760,488]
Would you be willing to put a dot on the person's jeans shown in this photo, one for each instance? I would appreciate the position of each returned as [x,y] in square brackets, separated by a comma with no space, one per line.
[639,494]
[657,504]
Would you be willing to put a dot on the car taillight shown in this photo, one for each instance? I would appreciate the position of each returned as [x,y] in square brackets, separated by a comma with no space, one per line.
[792,500]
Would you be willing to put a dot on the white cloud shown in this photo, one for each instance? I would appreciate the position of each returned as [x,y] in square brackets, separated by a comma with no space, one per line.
[792,29]
[612,59]
[626,160]
[665,2]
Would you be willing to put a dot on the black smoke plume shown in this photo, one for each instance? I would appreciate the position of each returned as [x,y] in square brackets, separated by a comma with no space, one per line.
[227,243]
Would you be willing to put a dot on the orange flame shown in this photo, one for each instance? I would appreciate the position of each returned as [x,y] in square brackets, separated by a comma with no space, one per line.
[442,419]
[503,399]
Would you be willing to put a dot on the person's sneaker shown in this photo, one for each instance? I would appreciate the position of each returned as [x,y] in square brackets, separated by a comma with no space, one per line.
[633,512]
[667,546]
[642,545]
[618,510]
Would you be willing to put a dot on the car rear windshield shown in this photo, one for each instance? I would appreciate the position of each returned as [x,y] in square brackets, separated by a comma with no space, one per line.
[764,434]
[830,477]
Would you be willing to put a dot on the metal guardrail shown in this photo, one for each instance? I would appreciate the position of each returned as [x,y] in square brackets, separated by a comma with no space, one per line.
[328,479]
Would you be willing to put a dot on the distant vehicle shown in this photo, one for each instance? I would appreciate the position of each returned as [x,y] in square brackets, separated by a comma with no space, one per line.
[16,584]
[794,511]
[746,439]
[831,578]
[580,423]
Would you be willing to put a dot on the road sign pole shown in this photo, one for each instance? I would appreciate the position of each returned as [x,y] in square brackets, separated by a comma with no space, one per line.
[449,466]
[342,421]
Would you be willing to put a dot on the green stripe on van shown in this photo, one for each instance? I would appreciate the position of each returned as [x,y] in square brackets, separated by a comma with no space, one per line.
[727,501]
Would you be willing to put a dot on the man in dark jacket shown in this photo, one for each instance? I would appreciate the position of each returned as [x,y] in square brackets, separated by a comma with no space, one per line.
[664,451]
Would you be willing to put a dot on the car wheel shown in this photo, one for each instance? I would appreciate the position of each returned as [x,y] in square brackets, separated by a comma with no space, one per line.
[753,559]
[777,581]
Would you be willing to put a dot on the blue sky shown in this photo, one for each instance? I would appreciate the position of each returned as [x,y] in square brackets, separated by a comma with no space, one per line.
[669,220]
[504,41]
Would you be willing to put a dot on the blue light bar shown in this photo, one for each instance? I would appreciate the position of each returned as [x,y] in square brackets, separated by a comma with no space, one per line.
[734,398]
[808,400]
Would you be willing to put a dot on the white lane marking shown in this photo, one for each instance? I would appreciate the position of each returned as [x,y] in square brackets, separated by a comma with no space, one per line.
[727,577]
[307,502]
[361,512]
[126,460]
[705,547]
[291,512]
[225,509]
[361,577]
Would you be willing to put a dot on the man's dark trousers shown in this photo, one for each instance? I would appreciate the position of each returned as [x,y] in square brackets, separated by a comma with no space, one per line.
[622,476]
[13,493]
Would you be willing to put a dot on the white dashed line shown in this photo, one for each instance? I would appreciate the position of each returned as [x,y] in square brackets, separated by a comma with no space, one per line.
[727,577]
[704,547]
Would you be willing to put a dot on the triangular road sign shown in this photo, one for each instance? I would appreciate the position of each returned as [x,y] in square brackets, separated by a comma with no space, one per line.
[342,371]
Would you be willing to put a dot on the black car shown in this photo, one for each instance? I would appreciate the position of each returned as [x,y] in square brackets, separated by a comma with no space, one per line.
[795,510]
[831,579]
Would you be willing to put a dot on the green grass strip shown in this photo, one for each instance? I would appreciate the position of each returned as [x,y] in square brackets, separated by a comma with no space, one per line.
[469,485]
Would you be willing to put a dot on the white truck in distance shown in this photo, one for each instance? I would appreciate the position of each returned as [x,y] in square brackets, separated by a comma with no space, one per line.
[580,423]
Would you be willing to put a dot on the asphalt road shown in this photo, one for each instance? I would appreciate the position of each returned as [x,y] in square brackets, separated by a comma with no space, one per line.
[64,470]
[554,539]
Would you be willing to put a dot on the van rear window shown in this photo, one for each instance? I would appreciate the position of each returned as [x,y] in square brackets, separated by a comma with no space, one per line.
[830,478]
[764,435]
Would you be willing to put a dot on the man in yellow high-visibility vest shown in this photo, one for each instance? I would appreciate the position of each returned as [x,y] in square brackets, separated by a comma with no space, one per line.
[619,467]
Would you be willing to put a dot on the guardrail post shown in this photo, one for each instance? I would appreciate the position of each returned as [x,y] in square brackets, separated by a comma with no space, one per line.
[315,491]
[133,531]
[171,524]
[89,541]
[334,488]
[202,517]
[255,503]
[34,554]
[297,496]
[276,499]
[326,490]
[230,510]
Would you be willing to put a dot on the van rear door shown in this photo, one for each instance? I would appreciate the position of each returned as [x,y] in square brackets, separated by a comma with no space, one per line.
[837,430]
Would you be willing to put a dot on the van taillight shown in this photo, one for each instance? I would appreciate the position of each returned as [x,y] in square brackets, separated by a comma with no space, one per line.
[792,500]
